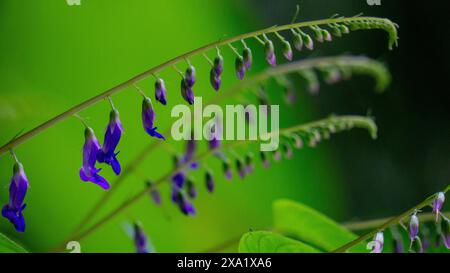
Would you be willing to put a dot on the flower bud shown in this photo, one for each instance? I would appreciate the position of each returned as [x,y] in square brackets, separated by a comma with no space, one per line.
[154,193]
[240,166]
[209,181]
[247,57]
[189,76]
[308,42]
[186,92]
[218,65]
[336,31]
[298,41]
[413,226]
[378,242]
[191,190]
[227,170]
[264,159]
[287,51]
[277,155]
[326,35]
[160,91]
[344,29]
[287,150]
[240,68]
[438,203]
[215,79]
[445,232]
[298,142]
[318,34]
[249,166]
[269,51]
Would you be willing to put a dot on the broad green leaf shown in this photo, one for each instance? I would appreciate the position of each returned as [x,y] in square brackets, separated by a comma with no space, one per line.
[269,242]
[312,227]
[9,246]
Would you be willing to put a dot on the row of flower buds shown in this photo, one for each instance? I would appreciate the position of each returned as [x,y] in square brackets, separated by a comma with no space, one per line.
[419,241]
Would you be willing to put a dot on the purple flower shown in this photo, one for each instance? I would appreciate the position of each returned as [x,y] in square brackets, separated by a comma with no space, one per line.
[240,67]
[88,172]
[186,92]
[438,203]
[160,91]
[287,51]
[113,133]
[218,65]
[298,41]
[216,132]
[148,118]
[140,239]
[247,57]
[277,155]
[270,53]
[13,211]
[378,243]
[298,142]
[191,147]
[209,181]
[287,150]
[413,226]
[445,230]
[178,179]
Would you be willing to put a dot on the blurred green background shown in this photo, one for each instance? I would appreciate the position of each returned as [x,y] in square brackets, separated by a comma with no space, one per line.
[53,56]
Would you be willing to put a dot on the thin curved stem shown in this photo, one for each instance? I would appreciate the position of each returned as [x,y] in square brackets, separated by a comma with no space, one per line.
[133,199]
[266,74]
[353,226]
[392,221]
[77,108]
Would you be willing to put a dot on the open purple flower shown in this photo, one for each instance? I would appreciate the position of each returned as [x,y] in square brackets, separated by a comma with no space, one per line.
[270,53]
[160,91]
[247,57]
[88,172]
[186,92]
[240,68]
[13,211]
[113,133]
[148,118]
[438,203]
[140,239]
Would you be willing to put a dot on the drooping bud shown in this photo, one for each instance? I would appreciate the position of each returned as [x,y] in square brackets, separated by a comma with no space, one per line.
[186,92]
[218,65]
[318,34]
[240,167]
[227,169]
[140,239]
[416,245]
[413,226]
[215,80]
[269,51]
[287,150]
[397,240]
[247,57]
[290,96]
[326,35]
[249,166]
[298,41]
[298,142]
[240,67]
[209,181]
[287,50]
[148,118]
[336,31]
[154,193]
[332,76]
[308,41]
[378,241]
[438,203]
[344,29]
[13,211]
[445,232]
[185,206]
[277,155]
[160,91]
[191,190]
[264,159]
[190,76]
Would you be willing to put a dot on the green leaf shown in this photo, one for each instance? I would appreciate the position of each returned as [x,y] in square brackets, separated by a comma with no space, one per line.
[312,227]
[269,242]
[9,246]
